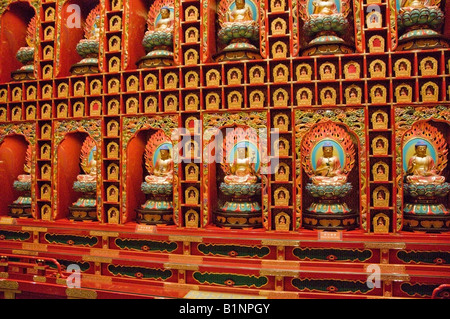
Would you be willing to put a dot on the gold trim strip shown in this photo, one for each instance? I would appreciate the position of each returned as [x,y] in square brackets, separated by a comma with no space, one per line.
[39,278]
[267,263]
[61,281]
[180,266]
[81,293]
[100,252]
[279,272]
[97,259]
[280,242]
[375,245]
[193,239]
[103,233]
[97,278]
[184,259]
[33,228]
[279,294]
[25,252]
[34,246]
[174,285]
[7,221]
[8,284]
[398,277]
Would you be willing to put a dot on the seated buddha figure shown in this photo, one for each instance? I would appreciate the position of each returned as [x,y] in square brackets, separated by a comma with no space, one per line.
[240,14]
[237,24]
[242,170]
[326,22]
[423,15]
[26,178]
[421,167]
[414,4]
[328,168]
[324,7]
[90,172]
[165,23]
[158,39]
[88,162]
[163,169]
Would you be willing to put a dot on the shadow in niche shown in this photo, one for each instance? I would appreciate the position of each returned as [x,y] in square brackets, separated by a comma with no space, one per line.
[69,151]
[425,211]
[12,159]
[14,23]
[351,199]
[135,173]
[70,36]
[138,11]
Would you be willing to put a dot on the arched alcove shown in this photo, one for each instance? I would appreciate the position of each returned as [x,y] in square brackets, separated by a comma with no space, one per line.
[425,195]
[346,150]
[13,30]
[135,172]
[68,168]
[70,36]
[239,201]
[12,159]
[138,14]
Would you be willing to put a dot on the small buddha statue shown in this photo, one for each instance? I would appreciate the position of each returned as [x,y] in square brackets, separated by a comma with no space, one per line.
[419,24]
[242,170]
[163,168]
[238,29]
[421,167]
[25,177]
[158,39]
[165,23]
[328,168]
[90,172]
[324,7]
[241,13]
[326,25]
[88,47]
[88,161]
[413,4]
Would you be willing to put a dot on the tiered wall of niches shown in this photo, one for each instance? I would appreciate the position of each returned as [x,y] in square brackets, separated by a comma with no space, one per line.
[125,91]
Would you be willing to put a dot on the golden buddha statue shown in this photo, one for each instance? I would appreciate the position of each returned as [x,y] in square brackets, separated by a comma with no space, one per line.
[91,172]
[416,4]
[324,7]
[238,33]
[88,162]
[242,171]
[26,168]
[421,167]
[240,13]
[163,169]
[165,23]
[158,38]
[328,168]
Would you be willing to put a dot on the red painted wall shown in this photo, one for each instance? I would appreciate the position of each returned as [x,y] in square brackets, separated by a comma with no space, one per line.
[13,29]
[69,151]
[12,160]
[135,174]
[71,36]
[138,12]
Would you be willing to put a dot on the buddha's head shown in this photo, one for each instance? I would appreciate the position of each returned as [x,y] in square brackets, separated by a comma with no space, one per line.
[165,12]
[165,152]
[421,149]
[242,151]
[327,149]
[240,4]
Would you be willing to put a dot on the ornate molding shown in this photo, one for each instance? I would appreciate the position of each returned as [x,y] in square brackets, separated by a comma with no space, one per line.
[353,119]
